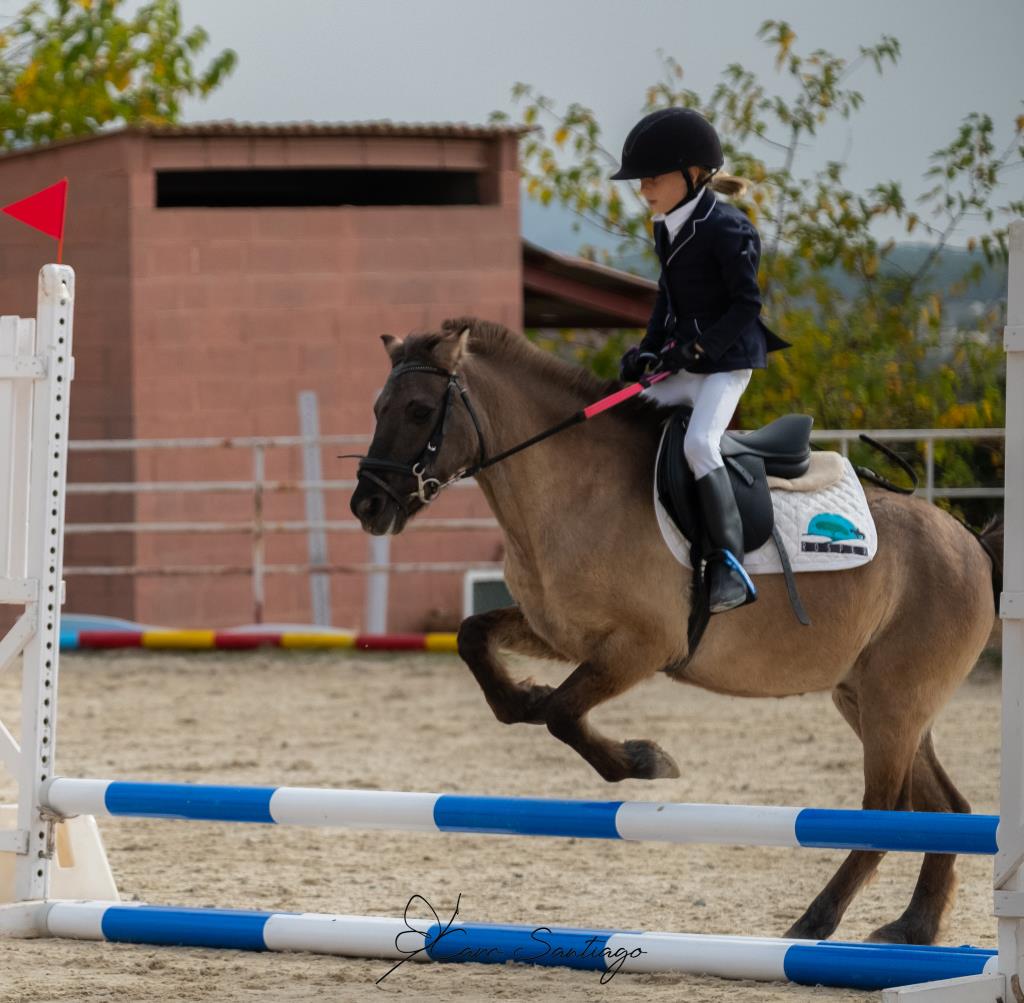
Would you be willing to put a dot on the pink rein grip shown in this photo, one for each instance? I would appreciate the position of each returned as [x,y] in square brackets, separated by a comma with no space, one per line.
[622,395]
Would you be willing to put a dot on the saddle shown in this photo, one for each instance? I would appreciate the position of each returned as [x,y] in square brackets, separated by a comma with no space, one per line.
[779,449]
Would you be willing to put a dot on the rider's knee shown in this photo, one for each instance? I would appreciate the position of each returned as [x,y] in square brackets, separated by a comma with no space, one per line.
[701,454]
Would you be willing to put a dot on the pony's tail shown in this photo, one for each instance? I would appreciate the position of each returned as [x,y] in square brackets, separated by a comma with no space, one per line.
[991,540]
[727,184]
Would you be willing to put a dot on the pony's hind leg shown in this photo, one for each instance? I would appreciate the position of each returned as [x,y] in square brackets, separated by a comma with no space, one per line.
[566,712]
[889,752]
[932,791]
[480,638]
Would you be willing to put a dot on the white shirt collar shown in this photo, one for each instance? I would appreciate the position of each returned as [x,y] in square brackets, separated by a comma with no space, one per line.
[676,219]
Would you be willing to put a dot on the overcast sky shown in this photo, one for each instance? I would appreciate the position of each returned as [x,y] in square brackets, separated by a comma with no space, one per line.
[456,60]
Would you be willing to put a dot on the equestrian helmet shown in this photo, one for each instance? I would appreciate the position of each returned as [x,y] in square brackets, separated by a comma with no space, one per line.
[667,140]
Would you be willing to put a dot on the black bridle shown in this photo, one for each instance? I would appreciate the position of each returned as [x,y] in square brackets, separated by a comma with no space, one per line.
[427,487]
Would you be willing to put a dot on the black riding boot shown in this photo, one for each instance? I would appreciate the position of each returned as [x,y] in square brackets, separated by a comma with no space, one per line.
[729,584]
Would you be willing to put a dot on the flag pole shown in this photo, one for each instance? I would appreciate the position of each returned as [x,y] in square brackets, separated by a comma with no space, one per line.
[63,217]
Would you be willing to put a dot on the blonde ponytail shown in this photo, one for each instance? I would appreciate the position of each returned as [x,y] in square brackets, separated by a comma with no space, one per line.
[726,184]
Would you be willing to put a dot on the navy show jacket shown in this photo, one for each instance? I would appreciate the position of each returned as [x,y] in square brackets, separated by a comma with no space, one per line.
[708,290]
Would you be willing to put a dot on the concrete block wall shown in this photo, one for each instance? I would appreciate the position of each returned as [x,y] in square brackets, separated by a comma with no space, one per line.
[198,322]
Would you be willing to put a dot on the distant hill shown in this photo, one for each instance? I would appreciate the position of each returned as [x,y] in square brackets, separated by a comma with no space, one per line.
[555,228]
[551,226]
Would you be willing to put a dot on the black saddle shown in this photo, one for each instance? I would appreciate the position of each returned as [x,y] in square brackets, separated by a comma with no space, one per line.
[779,449]
[784,445]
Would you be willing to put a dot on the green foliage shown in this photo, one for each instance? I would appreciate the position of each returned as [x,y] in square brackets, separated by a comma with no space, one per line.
[871,359]
[71,67]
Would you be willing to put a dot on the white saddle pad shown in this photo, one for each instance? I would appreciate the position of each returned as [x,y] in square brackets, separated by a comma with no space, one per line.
[829,529]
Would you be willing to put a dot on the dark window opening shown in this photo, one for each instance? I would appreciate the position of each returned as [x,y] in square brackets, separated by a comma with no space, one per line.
[254,188]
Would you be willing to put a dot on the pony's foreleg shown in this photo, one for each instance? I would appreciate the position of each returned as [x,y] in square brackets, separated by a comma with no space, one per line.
[480,638]
[567,708]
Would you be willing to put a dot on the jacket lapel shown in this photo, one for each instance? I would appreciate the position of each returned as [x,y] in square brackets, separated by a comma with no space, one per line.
[705,206]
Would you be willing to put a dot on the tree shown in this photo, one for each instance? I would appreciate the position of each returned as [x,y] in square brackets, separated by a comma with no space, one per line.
[865,332]
[75,66]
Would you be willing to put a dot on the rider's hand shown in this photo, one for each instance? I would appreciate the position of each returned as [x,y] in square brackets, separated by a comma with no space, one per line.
[635,364]
[676,355]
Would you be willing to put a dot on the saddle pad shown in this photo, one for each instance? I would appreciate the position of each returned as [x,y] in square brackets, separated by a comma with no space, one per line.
[825,470]
[826,530]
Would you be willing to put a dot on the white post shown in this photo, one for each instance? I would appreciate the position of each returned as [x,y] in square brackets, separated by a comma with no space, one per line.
[316,509]
[45,566]
[36,380]
[1007,879]
[376,619]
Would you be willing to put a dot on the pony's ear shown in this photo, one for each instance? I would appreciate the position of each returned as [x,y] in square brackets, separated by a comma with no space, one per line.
[393,346]
[450,348]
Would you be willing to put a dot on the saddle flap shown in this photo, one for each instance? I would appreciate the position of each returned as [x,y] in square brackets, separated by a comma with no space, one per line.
[677,489]
[753,499]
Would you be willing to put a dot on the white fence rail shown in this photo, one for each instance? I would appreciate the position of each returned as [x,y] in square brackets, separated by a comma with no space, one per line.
[379,565]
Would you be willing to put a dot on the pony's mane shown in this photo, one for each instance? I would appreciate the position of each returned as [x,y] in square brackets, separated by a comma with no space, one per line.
[492,340]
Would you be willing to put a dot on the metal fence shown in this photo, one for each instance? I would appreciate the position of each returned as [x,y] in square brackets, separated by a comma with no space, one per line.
[379,566]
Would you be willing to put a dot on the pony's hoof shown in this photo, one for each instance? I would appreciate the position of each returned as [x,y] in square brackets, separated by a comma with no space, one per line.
[649,761]
[811,928]
[901,932]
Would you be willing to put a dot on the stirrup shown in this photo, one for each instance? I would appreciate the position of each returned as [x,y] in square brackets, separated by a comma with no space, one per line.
[725,560]
[748,582]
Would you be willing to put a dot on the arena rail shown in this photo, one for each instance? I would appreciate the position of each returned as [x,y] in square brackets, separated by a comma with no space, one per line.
[258,528]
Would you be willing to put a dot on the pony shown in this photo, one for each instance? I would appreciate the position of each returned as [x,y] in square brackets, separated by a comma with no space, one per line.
[596,587]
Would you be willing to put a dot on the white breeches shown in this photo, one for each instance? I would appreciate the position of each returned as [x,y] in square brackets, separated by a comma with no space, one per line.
[713,397]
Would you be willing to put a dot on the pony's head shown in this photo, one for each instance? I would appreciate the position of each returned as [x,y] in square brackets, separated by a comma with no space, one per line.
[426,433]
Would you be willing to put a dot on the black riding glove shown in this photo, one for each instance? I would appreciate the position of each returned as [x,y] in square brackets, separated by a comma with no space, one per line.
[636,363]
[680,355]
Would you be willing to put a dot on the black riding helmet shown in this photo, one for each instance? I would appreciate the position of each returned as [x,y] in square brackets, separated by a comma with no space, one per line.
[667,140]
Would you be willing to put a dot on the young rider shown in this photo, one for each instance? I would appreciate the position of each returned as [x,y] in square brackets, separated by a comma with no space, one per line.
[705,328]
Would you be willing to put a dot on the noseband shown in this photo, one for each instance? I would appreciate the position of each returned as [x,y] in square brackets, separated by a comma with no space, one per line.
[427,487]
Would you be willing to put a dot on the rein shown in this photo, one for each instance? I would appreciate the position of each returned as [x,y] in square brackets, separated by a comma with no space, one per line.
[428,488]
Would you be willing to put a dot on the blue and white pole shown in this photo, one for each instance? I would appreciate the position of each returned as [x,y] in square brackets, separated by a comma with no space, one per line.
[858,966]
[740,825]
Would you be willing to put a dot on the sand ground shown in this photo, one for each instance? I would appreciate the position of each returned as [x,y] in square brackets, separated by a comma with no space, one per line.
[418,722]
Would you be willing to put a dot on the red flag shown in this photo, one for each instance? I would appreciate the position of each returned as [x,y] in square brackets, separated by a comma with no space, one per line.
[44,211]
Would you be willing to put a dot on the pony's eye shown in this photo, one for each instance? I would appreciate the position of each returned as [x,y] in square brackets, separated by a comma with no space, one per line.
[419,413]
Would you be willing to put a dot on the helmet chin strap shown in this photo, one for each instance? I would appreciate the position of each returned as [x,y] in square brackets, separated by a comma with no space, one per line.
[692,190]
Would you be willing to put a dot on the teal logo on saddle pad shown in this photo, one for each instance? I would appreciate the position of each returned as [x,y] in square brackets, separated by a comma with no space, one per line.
[833,527]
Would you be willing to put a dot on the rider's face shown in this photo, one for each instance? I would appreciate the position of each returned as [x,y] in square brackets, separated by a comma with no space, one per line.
[665,190]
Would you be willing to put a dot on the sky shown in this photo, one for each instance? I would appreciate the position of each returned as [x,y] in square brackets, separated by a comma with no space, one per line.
[456,60]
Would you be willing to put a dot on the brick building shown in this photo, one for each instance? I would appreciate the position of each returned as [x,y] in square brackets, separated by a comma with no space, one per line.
[222,270]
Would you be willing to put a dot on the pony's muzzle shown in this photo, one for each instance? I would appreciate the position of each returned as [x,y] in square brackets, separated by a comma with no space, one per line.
[376,512]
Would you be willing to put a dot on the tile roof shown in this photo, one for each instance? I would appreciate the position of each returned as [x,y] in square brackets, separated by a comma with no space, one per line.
[229,127]
[380,127]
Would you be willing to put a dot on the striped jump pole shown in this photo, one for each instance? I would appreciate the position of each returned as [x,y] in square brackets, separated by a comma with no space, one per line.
[826,963]
[739,825]
[234,640]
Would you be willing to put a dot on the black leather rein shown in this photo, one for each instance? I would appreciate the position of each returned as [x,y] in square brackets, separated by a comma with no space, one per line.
[428,488]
